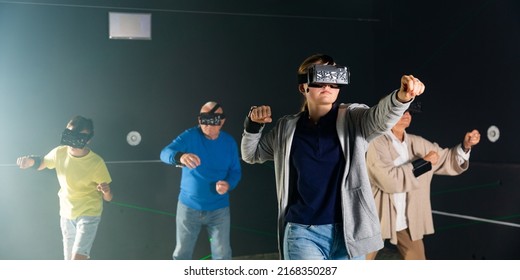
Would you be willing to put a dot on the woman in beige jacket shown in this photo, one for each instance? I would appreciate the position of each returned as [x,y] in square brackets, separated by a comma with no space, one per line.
[401,167]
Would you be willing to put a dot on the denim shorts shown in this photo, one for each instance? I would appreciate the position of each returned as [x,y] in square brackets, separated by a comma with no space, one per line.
[78,235]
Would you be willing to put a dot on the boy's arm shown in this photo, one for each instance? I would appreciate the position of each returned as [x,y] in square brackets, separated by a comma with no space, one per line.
[35,162]
[105,189]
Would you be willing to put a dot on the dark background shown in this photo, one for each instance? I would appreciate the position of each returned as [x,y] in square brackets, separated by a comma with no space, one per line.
[56,61]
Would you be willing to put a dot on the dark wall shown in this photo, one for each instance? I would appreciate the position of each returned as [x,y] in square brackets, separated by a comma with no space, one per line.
[56,61]
[466,54]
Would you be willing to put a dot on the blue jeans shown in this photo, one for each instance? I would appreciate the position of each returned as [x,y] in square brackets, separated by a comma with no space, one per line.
[315,242]
[190,221]
[78,235]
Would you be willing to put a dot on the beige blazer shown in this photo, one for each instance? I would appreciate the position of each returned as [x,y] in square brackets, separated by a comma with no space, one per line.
[386,179]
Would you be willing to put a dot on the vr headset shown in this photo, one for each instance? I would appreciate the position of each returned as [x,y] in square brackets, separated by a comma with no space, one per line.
[75,139]
[325,74]
[211,118]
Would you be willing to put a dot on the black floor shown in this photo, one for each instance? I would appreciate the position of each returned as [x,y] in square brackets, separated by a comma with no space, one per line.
[387,253]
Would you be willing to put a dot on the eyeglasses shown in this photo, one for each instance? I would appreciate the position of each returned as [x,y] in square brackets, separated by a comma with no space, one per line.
[315,85]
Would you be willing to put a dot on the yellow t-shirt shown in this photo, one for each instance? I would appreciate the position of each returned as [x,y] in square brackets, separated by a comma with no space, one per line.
[78,178]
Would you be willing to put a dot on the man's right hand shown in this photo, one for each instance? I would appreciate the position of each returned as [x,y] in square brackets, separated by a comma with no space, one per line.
[190,160]
[432,157]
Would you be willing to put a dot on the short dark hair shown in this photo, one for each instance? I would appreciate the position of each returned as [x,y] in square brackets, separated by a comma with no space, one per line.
[80,124]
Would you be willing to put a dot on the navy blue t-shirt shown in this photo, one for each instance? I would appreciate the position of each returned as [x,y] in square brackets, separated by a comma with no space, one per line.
[317,165]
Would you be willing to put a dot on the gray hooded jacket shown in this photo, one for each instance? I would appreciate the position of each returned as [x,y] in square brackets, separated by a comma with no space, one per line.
[357,125]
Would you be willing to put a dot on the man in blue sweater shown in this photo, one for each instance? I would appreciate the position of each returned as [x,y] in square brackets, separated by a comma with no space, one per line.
[210,170]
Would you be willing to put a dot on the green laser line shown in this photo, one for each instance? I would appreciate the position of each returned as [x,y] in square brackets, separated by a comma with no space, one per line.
[146,209]
[450,190]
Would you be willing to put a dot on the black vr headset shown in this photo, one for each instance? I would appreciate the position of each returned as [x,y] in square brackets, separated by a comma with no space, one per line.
[211,118]
[75,139]
[325,74]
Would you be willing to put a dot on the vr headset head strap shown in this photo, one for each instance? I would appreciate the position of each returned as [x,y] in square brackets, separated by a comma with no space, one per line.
[214,109]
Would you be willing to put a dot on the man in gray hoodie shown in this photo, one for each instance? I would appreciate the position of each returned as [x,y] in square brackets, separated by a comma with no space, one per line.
[325,204]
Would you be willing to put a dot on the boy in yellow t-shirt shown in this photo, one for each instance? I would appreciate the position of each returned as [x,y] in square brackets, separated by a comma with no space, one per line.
[84,184]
